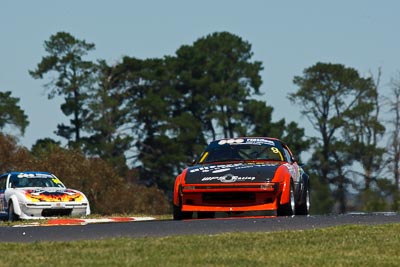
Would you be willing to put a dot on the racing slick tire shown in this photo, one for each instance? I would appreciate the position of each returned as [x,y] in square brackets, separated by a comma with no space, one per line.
[304,207]
[288,209]
[205,215]
[178,214]
[11,214]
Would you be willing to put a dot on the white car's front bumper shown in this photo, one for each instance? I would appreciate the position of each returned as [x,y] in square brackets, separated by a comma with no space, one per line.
[44,210]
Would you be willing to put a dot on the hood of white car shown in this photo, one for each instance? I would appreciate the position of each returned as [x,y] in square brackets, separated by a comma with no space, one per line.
[51,194]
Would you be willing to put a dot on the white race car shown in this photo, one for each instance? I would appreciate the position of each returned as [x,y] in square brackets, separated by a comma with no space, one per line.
[39,195]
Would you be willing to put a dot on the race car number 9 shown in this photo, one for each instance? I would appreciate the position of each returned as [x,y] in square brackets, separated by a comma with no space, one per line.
[203,157]
[56,181]
[276,151]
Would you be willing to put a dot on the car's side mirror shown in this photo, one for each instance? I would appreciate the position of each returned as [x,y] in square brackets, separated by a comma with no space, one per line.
[192,162]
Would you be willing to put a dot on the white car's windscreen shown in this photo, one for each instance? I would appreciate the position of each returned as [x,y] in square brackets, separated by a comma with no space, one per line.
[35,182]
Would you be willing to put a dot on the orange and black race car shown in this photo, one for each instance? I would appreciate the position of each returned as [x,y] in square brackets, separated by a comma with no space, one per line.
[242,176]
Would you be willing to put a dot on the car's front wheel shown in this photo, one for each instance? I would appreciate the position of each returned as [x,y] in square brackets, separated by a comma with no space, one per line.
[205,215]
[289,208]
[11,214]
[178,214]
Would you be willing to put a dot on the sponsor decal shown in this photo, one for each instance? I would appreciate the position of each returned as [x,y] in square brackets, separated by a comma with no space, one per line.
[257,141]
[229,178]
[215,168]
[227,167]
[221,170]
[256,164]
[260,141]
[294,172]
[231,141]
[33,175]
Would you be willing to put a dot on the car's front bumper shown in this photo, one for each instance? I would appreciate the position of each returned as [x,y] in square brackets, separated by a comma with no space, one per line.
[53,209]
[230,198]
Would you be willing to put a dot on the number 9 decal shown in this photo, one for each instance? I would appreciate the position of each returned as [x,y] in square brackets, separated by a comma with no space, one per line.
[276,151]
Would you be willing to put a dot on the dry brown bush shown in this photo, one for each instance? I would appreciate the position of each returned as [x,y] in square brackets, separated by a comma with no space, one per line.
[12,156]
[107,192]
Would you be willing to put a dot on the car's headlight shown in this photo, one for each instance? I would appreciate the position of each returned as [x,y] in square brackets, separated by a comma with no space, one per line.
[190,187]
[269,186]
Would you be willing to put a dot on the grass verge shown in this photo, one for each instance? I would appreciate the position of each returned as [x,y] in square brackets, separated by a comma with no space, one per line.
[338,246]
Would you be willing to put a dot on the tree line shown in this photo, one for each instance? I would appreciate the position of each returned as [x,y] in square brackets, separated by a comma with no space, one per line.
[147,118]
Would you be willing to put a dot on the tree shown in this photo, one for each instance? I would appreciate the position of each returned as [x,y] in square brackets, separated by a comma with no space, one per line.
[153,102]
[393,147]
[73,77]
[331,97]
[205,92]
[322,199]
[216,78]
[108,120]
[364,131]
[11,113]
[257,121]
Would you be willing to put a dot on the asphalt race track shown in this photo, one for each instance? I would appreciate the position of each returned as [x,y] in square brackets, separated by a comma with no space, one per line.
[190,227]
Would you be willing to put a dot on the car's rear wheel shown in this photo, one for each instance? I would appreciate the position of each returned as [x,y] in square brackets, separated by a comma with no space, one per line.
[289,208]
[11,214]
[304,207]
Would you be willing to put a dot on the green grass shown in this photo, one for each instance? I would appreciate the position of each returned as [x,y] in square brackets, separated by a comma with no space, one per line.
[337,246]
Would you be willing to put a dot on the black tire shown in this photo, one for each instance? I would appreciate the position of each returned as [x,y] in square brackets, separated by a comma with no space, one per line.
[178,214]
[205,215]
[288,209]
[305,202]
[11,214]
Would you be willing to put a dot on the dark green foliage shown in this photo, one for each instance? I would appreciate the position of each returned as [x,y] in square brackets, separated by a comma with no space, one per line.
[203,93]
[43,146]
[322,200]
[341,106]
[11,113]
[383,195]
[257,120]
[73,79]
[296,139]
[393,151]
[106,118]
[216,78]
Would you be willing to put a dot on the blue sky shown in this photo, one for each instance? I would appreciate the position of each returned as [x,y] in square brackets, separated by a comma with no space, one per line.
[287,36]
